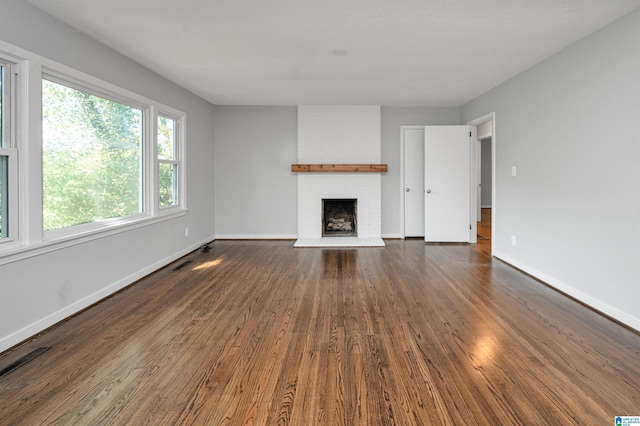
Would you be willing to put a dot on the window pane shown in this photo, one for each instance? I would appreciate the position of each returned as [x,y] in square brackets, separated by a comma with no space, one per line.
[166,138]
[1,106]
[92,157]
[4,205]
[168,184]
[4,164]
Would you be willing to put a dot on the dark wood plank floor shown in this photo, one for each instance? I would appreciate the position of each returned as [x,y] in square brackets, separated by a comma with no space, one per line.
[257,332]
[484,225]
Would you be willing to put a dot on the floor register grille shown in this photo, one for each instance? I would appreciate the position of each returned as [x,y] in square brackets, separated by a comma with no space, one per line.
[24,360]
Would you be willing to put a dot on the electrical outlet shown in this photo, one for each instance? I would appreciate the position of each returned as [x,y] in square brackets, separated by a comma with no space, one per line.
[186,231]
[514,170]
[513,240]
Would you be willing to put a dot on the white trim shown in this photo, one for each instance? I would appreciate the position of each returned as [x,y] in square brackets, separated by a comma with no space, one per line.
[605,308]
[21,251]
[482,119]
[473,184]
[69,310]
[256,236]
[29,133]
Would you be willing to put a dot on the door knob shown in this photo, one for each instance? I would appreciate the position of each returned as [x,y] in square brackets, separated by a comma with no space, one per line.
[408,189]
[428,191]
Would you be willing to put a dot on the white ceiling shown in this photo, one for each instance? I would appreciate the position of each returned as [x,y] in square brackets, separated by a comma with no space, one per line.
[280,52]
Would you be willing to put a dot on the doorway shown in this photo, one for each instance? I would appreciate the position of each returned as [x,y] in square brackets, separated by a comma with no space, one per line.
[485,176]
[413,215]
[449,170]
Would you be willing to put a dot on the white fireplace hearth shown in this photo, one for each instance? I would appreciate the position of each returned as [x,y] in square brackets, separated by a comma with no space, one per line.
[339,242]
[339,135]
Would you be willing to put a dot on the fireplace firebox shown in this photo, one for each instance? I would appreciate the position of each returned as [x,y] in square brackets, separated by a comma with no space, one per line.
[339,217]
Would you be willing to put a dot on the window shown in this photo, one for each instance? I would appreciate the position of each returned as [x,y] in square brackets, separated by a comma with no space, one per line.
[4,192]
[168,164]
[92,150]
[2,68]
[8,181]
[3,164]
[81,158]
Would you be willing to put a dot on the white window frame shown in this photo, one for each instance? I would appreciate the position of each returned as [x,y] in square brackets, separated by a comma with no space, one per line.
[92,89]
[27,238]
[179,119]
[11,154]
[8,148]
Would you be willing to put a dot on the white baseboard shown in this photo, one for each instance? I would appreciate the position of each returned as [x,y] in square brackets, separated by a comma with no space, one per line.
[583,297]
[34,328]
[257,237]
[279,236]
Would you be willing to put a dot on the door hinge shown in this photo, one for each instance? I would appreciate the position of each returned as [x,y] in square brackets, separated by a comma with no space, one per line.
[469,134]
[469,226]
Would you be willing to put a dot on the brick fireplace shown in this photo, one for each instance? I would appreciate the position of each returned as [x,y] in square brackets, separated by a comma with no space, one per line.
[339,135]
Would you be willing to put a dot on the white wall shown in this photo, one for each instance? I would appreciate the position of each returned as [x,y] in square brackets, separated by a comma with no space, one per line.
[40,291]
[392,119]
[574,205]
[340,134]
[486,190]
[264,137]
[255,189]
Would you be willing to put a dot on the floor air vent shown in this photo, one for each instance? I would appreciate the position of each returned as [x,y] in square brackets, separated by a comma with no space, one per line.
[182,265]
[22,361]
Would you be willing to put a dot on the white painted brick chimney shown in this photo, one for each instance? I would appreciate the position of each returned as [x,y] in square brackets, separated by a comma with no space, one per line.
[339,135]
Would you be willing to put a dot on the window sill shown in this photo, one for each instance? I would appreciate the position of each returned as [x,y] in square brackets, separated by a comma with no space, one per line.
[16,251]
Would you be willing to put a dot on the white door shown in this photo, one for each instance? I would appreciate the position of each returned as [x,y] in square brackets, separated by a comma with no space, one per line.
[413,139]
[447,184]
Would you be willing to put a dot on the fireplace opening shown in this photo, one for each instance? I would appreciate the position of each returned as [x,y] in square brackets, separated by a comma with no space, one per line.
[339,217]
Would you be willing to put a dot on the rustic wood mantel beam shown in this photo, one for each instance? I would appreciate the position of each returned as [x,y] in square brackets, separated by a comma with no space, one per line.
[339,168]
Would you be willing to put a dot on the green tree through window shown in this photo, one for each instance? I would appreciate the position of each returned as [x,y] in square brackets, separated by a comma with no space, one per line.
[167,162]
[92,157]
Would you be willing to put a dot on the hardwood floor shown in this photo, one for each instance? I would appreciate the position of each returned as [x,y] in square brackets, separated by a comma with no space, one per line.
[484,231]
[257,332]
[484,225]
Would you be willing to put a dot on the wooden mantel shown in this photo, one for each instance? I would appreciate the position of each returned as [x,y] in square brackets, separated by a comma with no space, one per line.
[339,168]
